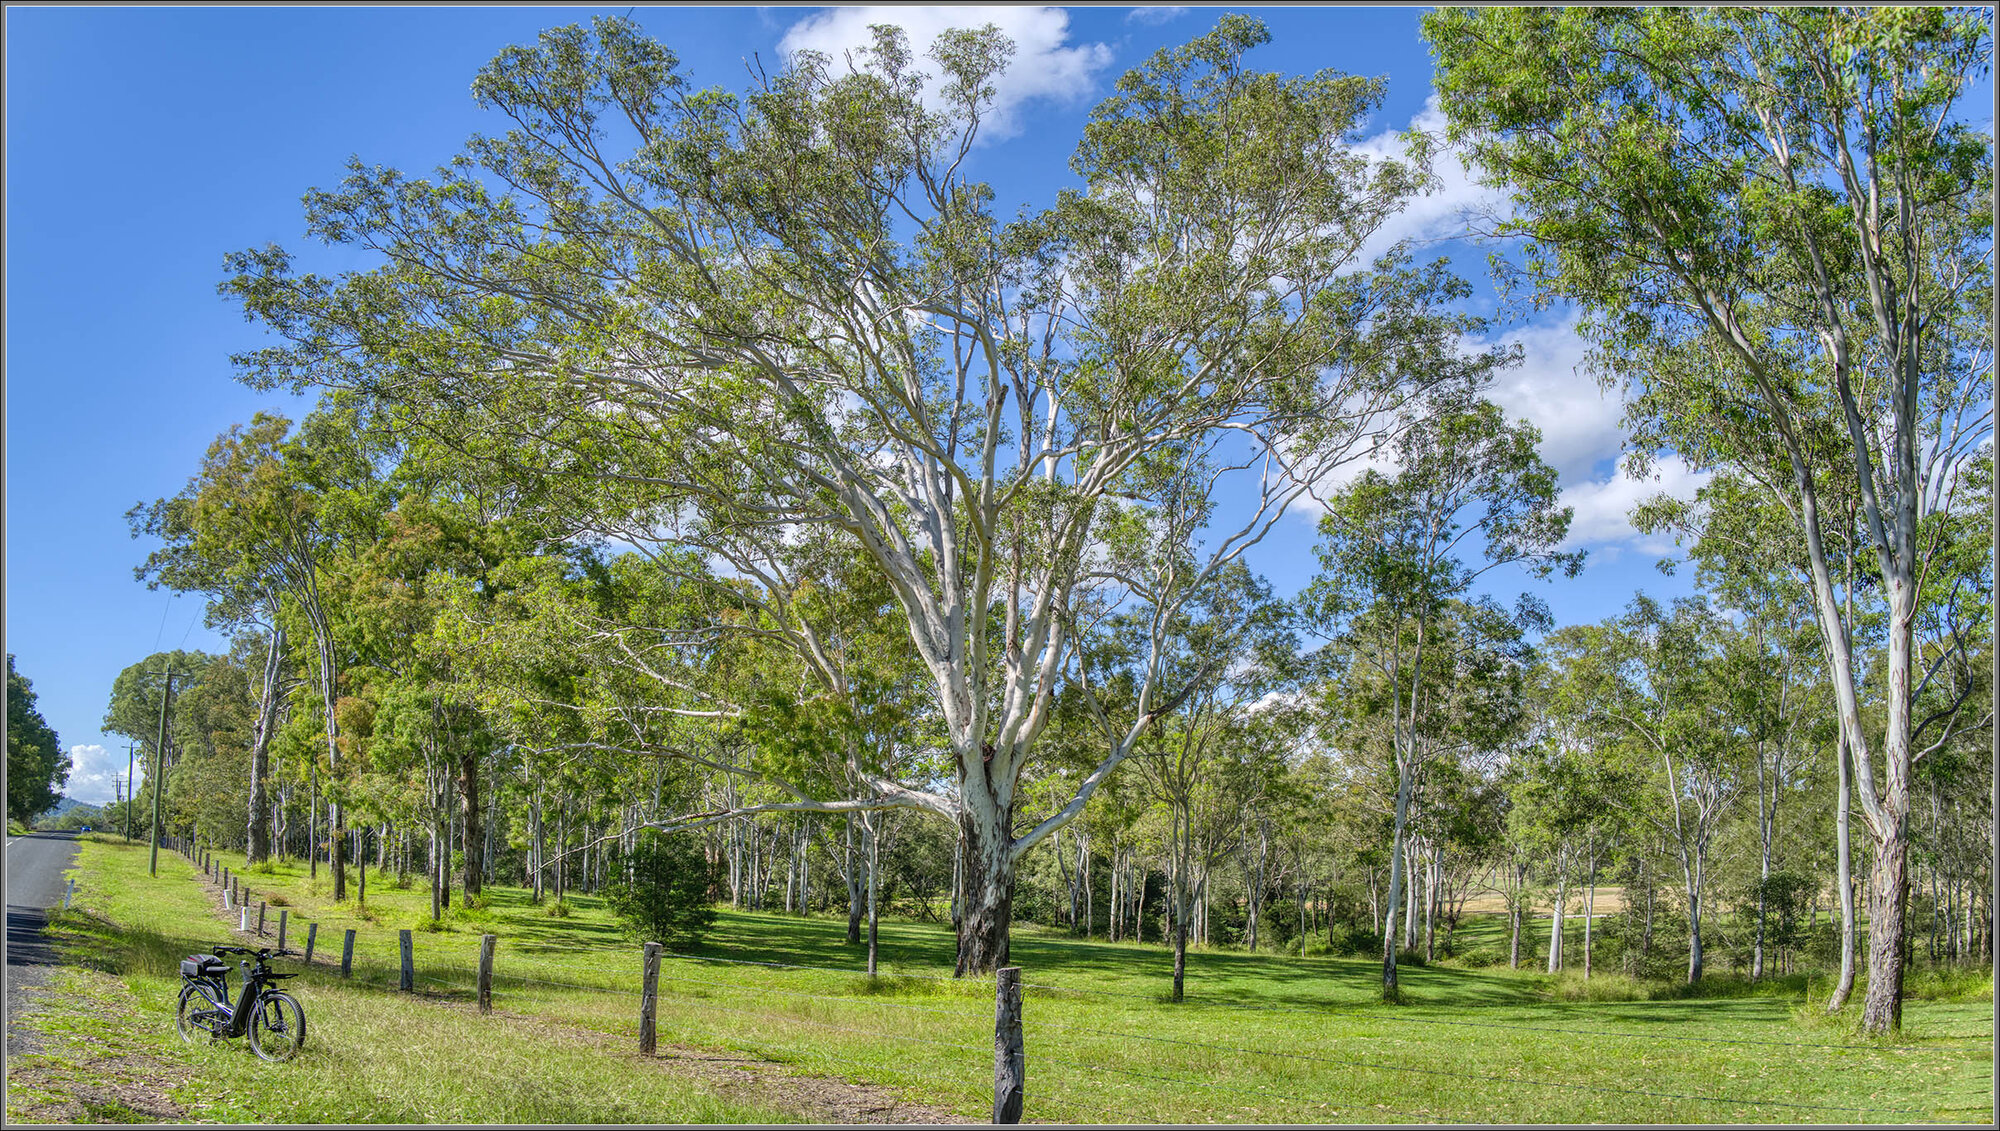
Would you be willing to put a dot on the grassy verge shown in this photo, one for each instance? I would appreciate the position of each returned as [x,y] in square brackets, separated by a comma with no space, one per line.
[1262,1038]
[370,1057]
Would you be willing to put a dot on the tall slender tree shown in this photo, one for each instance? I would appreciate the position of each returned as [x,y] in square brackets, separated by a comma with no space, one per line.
[1776,222]
[1393,555]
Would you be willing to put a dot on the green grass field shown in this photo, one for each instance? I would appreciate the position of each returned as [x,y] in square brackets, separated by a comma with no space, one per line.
[1262,1038]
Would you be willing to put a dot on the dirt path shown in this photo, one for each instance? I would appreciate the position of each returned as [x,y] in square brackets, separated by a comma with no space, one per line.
[741,1076]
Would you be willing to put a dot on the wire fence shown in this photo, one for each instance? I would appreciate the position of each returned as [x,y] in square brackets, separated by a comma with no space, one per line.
[1299,1105]
[1331,1011]
[958,1069]
[1242,1050]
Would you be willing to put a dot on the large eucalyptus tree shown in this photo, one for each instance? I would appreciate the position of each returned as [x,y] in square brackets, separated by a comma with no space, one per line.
[692,318]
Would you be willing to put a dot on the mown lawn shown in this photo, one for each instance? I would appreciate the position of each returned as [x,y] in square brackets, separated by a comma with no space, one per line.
[1262,1038]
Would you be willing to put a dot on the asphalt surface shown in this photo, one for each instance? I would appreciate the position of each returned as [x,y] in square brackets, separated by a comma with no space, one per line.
[35,866]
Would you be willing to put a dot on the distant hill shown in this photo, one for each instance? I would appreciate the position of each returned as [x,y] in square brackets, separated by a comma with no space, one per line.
[64,805]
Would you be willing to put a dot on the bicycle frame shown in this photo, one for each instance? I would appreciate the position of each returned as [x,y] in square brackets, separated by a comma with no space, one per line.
[256,980]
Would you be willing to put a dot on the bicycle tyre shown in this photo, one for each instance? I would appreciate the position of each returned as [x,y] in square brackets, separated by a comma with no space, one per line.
[277,1027]
[193,1000]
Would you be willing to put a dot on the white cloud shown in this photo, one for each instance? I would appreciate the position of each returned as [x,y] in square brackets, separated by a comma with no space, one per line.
[1604,508]
[1042,67]
[1155,14]
[93,774]
[1442,214]
[1579,422]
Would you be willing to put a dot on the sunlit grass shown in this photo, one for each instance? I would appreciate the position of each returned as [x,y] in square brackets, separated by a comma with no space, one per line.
[371,1056]
[1262,1037]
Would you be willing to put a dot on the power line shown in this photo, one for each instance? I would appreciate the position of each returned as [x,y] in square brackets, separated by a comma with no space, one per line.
[161,631]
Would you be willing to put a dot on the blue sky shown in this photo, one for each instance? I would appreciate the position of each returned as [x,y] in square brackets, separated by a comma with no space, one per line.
[144,143]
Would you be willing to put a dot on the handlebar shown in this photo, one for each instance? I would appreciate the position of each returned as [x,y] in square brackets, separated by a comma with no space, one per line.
[255,952]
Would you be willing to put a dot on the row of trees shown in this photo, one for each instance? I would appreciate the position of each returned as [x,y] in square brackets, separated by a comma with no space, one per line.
[37,764]
[764,472]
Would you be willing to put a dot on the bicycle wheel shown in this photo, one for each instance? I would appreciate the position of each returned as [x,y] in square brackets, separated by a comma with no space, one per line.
[278,1027]
[193,1016]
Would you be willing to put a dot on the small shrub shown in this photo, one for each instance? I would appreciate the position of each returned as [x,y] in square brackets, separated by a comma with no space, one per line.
[557,910]
[1350,942]
[474,916]
[665,900]
[276,900]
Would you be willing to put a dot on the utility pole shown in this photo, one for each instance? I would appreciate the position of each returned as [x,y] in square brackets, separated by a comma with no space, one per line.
[160,765]
[129,747]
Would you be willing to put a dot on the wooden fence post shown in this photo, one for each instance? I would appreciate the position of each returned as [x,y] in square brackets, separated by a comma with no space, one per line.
[225,879]
[312,936]
[486,973]
[347,954]
[261,906]
[649,996]
[1010,1067]
[283,915]
[409,980]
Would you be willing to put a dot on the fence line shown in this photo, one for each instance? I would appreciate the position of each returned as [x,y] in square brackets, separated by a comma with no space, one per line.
[978,1077]
[453,971]
[1491,1078]
[834,997]
[524,980]
[963,981]
[987,1049]
[1258,1093]
[1327,1011]
[1332,1012]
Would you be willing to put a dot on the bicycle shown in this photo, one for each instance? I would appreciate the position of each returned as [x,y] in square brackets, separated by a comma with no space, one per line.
[272,1018]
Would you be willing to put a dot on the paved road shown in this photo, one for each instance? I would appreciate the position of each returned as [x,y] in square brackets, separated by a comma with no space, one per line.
[35,865]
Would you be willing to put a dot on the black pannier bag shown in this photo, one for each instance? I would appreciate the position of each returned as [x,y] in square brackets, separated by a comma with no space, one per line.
[203,966]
